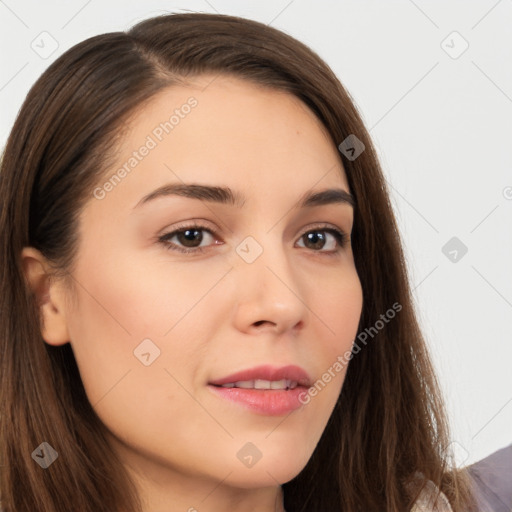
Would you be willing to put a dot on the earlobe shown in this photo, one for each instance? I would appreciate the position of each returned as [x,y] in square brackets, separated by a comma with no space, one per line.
[49,295]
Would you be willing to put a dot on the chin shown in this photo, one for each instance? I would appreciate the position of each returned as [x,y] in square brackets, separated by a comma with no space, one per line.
[261,478]
[270,470]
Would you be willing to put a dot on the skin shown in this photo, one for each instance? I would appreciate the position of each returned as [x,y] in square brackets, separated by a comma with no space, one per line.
[210,314]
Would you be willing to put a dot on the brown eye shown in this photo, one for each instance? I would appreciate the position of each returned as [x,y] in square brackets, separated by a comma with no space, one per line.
[187,239]
[318,239]
[190,237]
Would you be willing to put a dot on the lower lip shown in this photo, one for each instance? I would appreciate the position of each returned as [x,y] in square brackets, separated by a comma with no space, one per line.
[272,402]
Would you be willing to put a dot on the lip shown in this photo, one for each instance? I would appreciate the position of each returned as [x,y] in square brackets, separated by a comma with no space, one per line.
[269,402]
[268,372]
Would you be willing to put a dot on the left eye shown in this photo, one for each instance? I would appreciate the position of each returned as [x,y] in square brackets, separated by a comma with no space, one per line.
[315,236]
[191,237]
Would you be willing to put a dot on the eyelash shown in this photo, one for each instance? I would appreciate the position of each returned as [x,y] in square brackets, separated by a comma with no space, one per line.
[340,236]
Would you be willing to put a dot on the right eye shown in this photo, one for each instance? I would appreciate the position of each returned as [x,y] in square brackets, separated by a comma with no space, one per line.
[188,236]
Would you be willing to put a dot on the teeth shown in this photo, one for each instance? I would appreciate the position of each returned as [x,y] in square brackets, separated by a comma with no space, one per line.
[245,384]
[278,384]
[262,384]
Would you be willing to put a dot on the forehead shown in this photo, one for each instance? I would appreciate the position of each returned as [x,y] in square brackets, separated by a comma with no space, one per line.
[226,131]
[227,110]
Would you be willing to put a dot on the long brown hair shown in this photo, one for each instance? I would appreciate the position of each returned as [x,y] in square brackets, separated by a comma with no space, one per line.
[389,423]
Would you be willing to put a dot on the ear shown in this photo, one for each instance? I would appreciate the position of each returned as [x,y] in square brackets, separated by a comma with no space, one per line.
[49,294]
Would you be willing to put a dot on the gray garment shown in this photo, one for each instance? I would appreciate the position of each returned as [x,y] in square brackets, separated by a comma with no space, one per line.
[492,481]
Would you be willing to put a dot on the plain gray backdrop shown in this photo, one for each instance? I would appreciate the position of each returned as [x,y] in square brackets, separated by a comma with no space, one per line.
[433,83]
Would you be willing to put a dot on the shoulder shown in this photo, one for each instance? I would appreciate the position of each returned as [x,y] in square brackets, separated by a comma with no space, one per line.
[431,500]
[491,478]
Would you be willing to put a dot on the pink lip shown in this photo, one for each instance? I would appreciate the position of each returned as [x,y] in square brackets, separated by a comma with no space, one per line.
[267,372]
[272,402]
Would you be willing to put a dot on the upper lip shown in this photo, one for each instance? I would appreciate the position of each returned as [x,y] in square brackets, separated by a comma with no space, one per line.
[267,372]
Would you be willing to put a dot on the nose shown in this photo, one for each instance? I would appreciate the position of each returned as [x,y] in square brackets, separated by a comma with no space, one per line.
[268,293]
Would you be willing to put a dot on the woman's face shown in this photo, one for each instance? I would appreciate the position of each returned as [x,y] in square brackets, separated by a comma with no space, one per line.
[266,283]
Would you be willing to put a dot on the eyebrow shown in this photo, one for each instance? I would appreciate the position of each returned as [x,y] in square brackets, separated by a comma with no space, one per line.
[224,195]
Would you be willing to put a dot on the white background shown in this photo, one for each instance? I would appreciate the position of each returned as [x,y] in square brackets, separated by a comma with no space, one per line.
[442,126]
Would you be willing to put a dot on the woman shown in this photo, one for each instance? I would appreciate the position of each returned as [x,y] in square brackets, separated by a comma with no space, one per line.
[205,303]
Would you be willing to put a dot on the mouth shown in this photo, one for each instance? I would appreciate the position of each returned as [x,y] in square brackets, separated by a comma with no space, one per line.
[266,377]
[266,390]
[261,384]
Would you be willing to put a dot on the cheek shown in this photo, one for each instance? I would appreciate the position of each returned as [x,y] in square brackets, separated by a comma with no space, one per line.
[139,299]
[337,307]
[121,307]
[112,319]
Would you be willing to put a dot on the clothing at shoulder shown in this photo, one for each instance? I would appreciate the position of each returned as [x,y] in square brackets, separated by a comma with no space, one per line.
[492,478]
[426,503]
[491,481]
